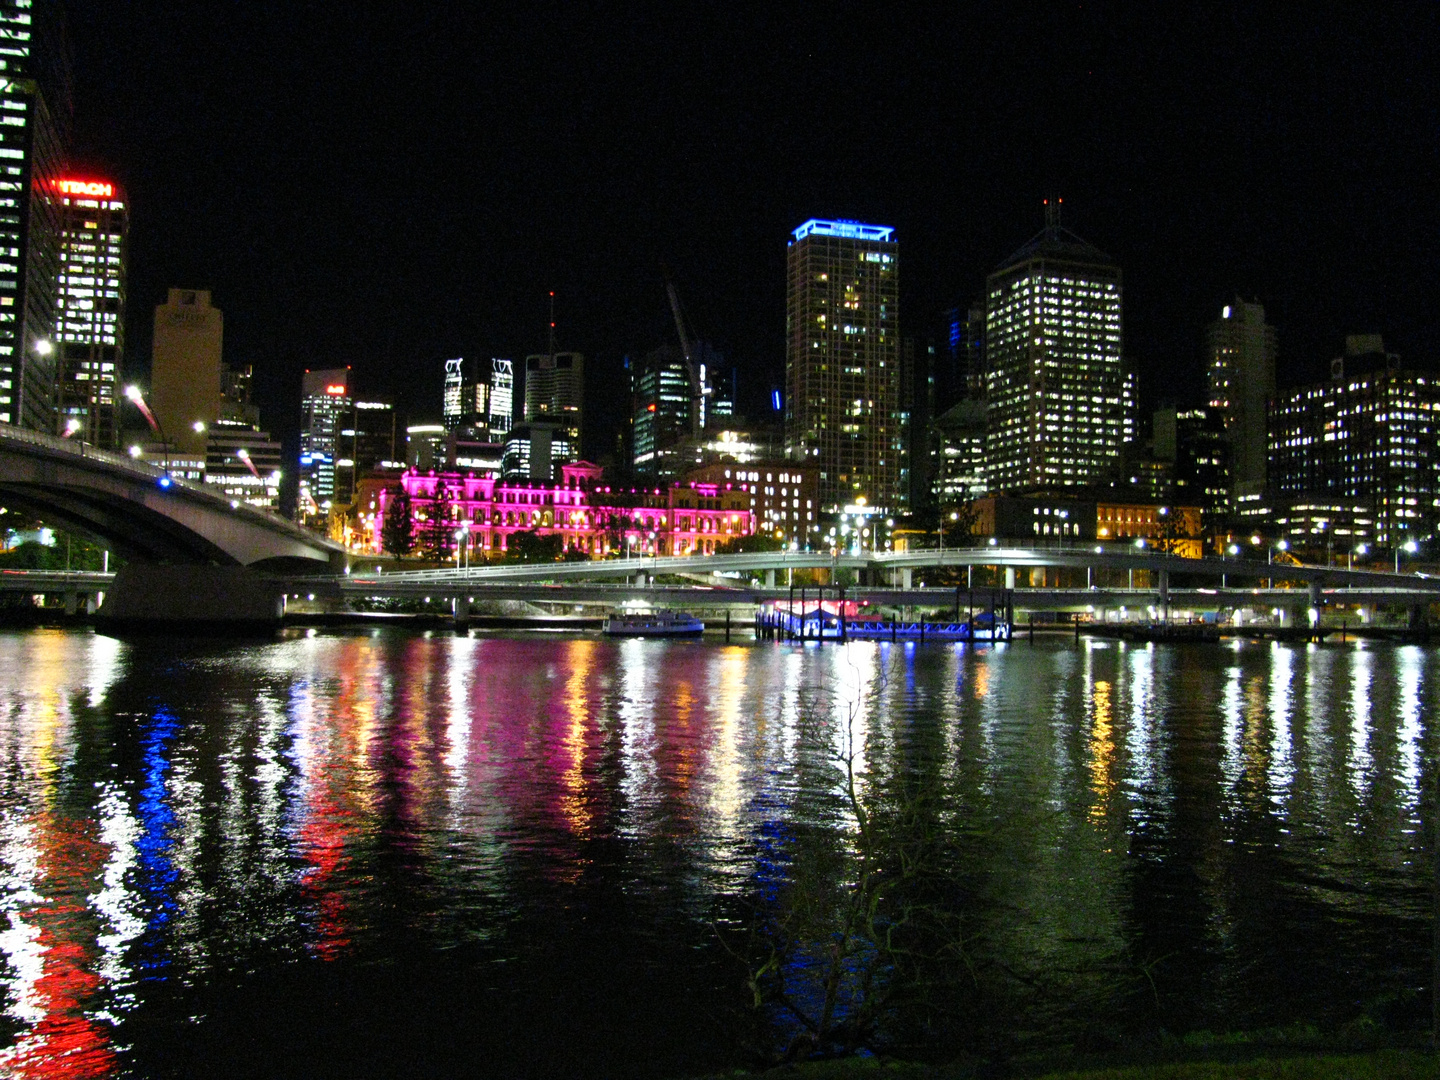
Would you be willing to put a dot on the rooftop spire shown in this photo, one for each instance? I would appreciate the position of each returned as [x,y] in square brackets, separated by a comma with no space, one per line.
[1052,214]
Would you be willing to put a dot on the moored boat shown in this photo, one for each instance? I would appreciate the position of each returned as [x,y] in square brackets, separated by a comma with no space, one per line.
[653,624]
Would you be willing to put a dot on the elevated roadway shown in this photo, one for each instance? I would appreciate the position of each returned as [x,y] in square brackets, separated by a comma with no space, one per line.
[143,514]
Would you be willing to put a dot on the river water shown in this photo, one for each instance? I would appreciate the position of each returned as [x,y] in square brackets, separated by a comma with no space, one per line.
[393,853]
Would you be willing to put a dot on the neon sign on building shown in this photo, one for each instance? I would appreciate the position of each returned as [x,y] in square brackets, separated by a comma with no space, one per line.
[94,188]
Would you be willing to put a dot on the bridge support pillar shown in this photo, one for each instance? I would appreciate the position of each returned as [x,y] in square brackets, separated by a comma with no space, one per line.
[1010,577]
[461,607]
[1317,598]
[72,602]
[770,578]
[906,578]
[201,597]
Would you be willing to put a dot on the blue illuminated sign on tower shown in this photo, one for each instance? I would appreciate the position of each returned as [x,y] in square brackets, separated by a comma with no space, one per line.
[850,230]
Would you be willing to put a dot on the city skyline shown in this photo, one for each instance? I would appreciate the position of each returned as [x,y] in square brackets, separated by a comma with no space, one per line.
[1300,194]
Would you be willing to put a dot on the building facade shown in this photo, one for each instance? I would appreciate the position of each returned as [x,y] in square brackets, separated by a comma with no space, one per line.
[1366,440]
[90,317]
[35,102]
[783,496]
[842,362]
[186,370]
[590,518]
[1240,365]
[1060,399]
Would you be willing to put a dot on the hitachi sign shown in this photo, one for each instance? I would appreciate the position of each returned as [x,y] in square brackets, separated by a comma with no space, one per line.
[97,188]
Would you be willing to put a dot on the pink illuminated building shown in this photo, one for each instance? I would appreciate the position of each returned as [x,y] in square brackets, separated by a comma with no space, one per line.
[592,518]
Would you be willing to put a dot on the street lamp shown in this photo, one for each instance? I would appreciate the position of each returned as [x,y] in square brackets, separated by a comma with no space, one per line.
[1360,549]
[1410,548]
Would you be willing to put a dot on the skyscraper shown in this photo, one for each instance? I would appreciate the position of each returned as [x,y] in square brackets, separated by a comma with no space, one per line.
[502,398]
[842,361]
[1055,380]
[35,101]
[325,410]
[1240,362]
[663,406]
[91,309]
[554,385]
[186,368]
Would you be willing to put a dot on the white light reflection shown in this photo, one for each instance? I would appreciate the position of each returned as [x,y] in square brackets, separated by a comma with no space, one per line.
[120,907]
[1411,660]
[1143,735]
[1232,712]
[1282,679]
[106,655]
[464,661]
[1359,762]
[639,771]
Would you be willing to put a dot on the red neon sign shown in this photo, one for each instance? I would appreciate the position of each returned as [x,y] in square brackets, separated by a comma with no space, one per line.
[336,388]
[86,187]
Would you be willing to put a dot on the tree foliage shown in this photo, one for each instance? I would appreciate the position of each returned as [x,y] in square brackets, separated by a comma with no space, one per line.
[527,547]
[745,545]
[397,531]
[439,531]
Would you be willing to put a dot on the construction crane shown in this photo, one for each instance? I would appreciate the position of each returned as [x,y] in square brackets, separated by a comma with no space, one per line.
[694,366]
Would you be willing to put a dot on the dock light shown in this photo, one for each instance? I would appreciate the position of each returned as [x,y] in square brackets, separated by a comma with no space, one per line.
[72,426]
[199,427]
[1140,542]
[135,451]
[1283,545]
[1411,547]
[165,481]
[1233,549]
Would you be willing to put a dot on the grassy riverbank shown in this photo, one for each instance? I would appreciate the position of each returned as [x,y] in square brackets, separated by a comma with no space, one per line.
[1375,1065]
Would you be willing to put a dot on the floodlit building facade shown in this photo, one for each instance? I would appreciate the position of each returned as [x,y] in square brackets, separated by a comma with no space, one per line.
[35,102]
[186,370]
[90,317]
[1061,404]
[596,520]
[1240,367]
[842,362]
[1365,440]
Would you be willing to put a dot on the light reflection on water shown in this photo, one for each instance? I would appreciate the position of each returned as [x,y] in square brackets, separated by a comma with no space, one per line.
[533,815]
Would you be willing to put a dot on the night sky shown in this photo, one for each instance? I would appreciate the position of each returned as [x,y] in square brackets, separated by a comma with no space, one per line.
[385,188]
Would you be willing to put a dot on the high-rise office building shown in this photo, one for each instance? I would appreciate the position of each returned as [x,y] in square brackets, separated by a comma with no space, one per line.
[186,369]
[502,398]
[90,319]
[35,102]
[325,410]
[1240,361]
[1193,443]
[554,388]
[1369,438]
[662,413]
[842,362]
[367,444]
[1055,378]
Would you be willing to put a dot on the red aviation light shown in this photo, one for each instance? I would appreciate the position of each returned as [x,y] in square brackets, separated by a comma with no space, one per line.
[96,188]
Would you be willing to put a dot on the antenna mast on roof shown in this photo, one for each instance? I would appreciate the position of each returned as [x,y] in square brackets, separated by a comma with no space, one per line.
[1052,214]
[552,324]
